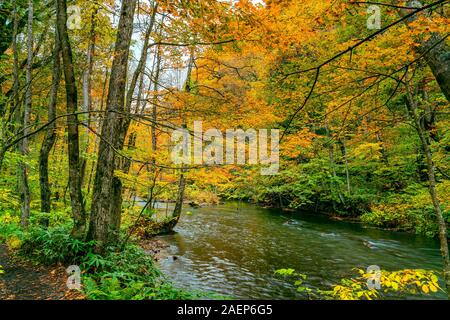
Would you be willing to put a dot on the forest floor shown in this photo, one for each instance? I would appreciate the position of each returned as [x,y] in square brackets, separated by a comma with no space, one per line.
[25,281]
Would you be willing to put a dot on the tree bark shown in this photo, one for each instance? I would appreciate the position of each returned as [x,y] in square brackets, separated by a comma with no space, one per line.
[436,53]
[155,98]
[76,196]
[347,173]
[138,73]
[50,137]
[87,88]
[180,199]
[24,189]
[411,105]
[182,183]
[105,214]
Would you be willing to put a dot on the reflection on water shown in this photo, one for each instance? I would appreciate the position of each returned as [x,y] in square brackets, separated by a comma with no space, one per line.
[234,249]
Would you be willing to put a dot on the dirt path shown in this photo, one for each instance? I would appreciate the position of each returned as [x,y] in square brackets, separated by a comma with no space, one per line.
[23,281]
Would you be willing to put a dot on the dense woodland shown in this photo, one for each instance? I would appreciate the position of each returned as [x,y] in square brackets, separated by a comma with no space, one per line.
[90,92]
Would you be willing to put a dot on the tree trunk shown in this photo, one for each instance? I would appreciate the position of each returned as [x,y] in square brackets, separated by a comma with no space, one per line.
[24,189]
[347,173]
[99,124]
[142,73]
[180,198]
[105,214]
[76,196]
[87,94]
[436,53]
[50,137]
[333,168]
[138,73]
[411,104]
[384,155]
[155,98]
[182,183]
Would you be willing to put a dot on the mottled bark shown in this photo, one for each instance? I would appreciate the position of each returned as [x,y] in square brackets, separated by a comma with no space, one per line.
[50,136]
[24,190]
[76,196]
[412,107]
[182,182]
[155,98]
[105,215]
[87,91]
[142,74]
[436,52]
[138,73]
[28,74]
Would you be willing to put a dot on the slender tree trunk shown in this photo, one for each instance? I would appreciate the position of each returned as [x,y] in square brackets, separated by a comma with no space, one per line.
[180,199]
[28,74]
[384,155]
[347,173]
[333,167]
[24,189]
[50,137]
[87,74]
[76,196]
[155,97]
[182,182]
[411,104]
[99,125]
[87,92]
[105,214]
[138,73]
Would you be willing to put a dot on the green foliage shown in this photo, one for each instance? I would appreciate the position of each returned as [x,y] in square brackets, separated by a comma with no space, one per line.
[54,245]
[299,279]
[410,210]
[10,231]
[117,274]
[129,274]
[308,186]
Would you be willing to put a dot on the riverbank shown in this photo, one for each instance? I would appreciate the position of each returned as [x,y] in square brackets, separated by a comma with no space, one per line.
[366,219]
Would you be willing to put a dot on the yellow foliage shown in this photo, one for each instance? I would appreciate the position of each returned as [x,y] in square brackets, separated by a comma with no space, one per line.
[13,243]
[403,281]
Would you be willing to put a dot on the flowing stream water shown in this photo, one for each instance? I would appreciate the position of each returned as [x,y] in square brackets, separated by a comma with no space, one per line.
[233,250]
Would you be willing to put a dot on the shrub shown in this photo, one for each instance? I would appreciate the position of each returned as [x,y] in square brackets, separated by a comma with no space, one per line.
[410,211]
[129,274]
[53,246]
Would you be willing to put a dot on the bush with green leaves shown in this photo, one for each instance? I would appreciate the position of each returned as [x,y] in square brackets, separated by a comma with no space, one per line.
[51,246]
[128,274]
[409,210]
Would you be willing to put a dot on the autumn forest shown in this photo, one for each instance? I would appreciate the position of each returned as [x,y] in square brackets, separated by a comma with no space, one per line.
[206,149]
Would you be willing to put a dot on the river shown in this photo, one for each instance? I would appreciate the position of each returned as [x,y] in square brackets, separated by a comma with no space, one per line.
[233,250]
